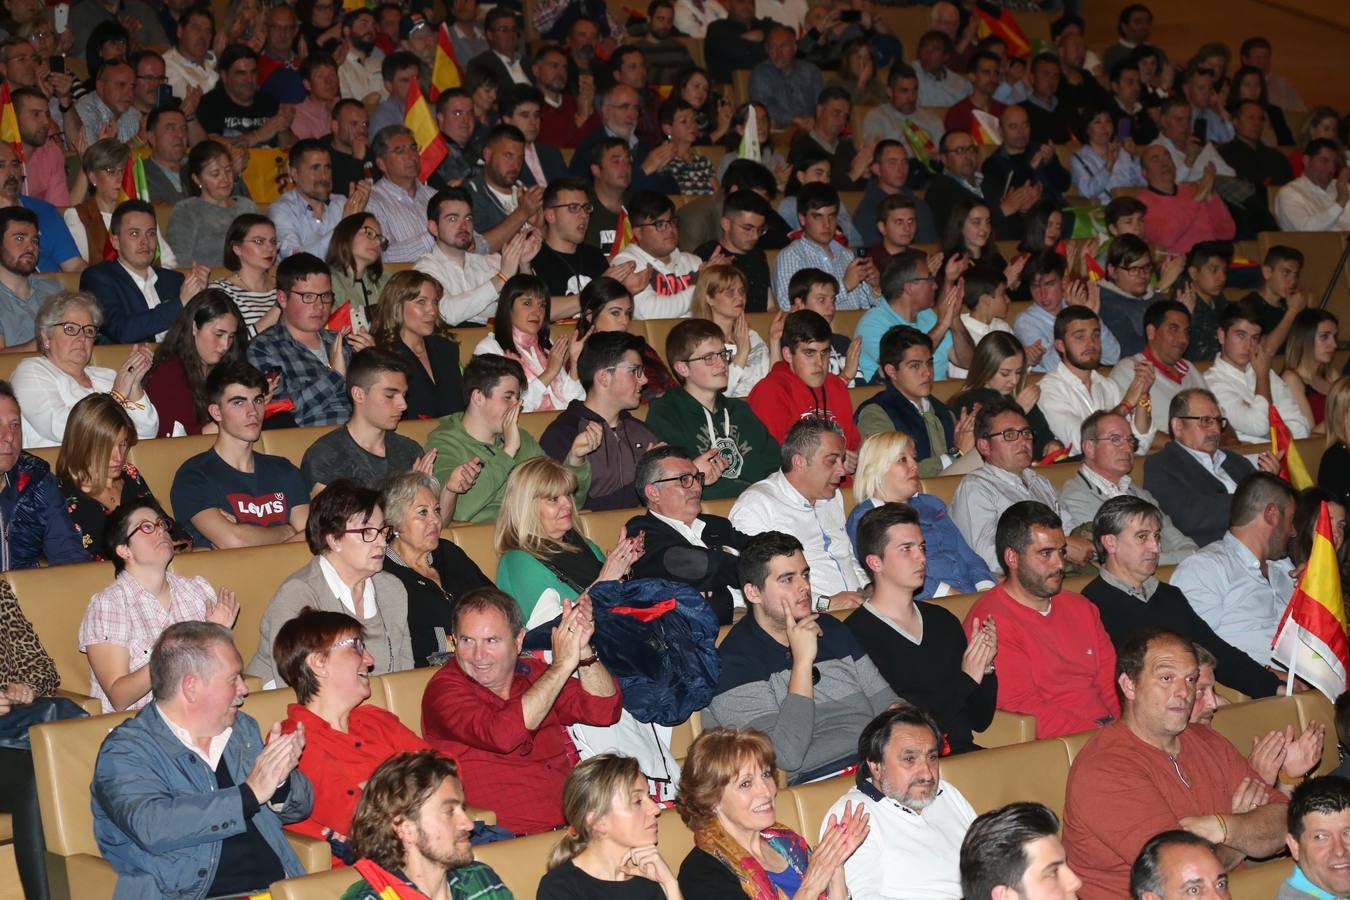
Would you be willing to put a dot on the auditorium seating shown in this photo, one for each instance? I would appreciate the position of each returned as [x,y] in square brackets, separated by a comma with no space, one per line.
[1260,881]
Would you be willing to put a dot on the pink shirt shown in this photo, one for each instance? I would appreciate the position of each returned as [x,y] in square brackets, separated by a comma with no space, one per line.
[312,120]
[1177,223]
[46,170]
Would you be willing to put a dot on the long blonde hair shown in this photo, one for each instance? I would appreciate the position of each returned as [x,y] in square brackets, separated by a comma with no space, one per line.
[518,525]
[1338,405]
[712,280]
[588,795]
[876,456]
[92,429]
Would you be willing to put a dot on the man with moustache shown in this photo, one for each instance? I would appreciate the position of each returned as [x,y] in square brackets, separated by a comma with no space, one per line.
[1152,771]
[22,293]
[306,215]
[917,820]
[57,251]
[500,205]
[361,75]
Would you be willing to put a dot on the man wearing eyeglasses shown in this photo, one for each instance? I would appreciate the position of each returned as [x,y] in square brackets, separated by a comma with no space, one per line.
[744,213]
[1242,380]
[501,60]
[1108,447]
[619,111]
[312,360]
[1127,292]
[655,249]
[683,543]
[1179,215]
[565,261]
[1192,478]
[1003,440]
[1075,389]
[960,177]
[278,68]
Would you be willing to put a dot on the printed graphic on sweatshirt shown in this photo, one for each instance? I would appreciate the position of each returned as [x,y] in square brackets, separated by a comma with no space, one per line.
[265,509]
[670,285]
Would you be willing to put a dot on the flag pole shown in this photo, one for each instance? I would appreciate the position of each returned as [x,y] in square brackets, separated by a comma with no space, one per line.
[1289,682]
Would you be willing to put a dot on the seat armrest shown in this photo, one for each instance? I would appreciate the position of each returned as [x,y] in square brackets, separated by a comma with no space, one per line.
[91,705]
[1007,728]
[315,855]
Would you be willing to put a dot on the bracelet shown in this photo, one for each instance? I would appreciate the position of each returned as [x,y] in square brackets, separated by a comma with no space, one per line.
[1127,407]
[588,661]
[1145,403]
[1224,826]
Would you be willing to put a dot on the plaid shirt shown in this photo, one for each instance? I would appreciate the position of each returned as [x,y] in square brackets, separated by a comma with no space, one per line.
[127,615]
[318,392]
[476,881]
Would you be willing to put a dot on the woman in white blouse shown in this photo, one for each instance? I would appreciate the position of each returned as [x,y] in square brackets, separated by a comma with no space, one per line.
[720,298]
[48,386]
[1102,164]
[520,332]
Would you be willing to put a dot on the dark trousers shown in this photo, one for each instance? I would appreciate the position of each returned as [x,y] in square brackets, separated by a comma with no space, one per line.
[18,797]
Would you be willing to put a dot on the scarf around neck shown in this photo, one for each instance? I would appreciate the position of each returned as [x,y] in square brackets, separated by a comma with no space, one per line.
[714,841]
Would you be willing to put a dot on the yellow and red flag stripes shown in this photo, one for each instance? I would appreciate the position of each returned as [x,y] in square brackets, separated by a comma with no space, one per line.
[1004,26]
[9,121]
[445,73]
[1292,468]
[984,128]
[430,144]
[1310,639]
[623,233]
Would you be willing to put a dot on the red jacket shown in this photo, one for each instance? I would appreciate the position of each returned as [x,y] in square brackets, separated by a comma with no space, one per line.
[1059,667]
[516,772]
[1177,223]
[781,399]
[338,764]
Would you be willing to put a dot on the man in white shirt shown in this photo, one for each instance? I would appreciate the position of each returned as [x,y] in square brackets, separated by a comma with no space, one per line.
[917,820]
[471,281]
[1003,439]
[1075,389]
[1319,199]
[938,85]
[902,120]
[1242,381]
[803,500]
[1189,155]
[1167,325]
[191,64]
[360,74]
[1241,584]
[655,248]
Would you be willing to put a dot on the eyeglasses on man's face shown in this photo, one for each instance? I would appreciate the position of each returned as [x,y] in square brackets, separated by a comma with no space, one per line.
[1117,440]
[574,208]
[313,297]
[661,225]
[686,479]
[1011,434]
[1208,421]
[371,533]
[707,358]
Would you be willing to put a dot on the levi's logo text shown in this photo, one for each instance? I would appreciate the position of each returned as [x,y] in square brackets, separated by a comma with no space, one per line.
[266,509]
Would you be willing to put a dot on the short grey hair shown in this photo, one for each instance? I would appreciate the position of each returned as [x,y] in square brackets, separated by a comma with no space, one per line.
[400,490]
[649,467]
[1181,403]
[1203,656]
[379,146]
[1114,516]
[184,648]
[54,310]
[803,439]
[105,154]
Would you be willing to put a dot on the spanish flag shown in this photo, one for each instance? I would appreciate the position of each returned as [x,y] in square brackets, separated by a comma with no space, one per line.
[1310,640]
[1292,468]
[445,73]
[623,233]
[385,885]
[9,121]
[984,128]
[1003,26]
[430,144]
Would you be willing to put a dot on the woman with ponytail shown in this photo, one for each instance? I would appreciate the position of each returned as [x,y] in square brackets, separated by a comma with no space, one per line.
[609,849]
[727,791]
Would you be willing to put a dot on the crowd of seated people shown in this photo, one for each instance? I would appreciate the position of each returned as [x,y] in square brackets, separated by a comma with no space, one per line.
[348,296]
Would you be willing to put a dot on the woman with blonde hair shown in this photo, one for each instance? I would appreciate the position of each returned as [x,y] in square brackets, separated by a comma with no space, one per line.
[720,298]
[407,323]
[998,369]
[1333,472]
[609,849]
[93,473]
[889,473]
[727,793]
[544,557]
[1309,368]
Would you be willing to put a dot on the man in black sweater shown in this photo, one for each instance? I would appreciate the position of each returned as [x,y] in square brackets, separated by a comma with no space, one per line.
[1130,599]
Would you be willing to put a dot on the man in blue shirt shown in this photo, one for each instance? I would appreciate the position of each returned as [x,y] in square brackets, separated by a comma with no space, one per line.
[58,252]
[788,87]
[818,217]
[910,291]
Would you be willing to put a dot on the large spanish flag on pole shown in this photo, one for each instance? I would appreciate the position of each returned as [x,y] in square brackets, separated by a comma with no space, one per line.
[1292,468]
[430,144]
[1310,639]
[445,73]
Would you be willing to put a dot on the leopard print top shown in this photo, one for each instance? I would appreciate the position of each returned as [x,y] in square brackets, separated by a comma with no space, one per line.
[22,658]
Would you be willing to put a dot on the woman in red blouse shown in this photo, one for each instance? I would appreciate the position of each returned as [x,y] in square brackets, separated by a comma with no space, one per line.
[323,656]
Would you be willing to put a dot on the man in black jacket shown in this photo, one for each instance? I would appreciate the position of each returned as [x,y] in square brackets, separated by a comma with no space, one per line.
[1126,532]
[683,543]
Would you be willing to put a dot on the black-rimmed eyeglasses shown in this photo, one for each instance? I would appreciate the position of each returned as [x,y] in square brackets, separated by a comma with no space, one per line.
[686,479]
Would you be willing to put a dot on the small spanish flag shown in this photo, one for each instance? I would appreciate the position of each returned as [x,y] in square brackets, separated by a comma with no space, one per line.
[9,121]
[1003,26]
[445,73]
[1311,637]
[623,233]
[984,128]
[430,144]
[1292,468]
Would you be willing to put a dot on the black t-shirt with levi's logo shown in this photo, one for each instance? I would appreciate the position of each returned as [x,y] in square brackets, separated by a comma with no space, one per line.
[263,497]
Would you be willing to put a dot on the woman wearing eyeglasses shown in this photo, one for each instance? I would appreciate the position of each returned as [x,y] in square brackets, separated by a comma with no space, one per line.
[323,655]
[105,163]
[93,473]
[347,534]
[250,248]
[124,620]
[49,386]
[544,558]
[199,222]
[354,256]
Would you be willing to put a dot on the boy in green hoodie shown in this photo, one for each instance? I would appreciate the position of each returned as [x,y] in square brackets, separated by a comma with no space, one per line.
[699,417]
[489,430]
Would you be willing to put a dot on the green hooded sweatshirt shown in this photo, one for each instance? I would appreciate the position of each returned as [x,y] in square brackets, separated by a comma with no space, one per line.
[751,452]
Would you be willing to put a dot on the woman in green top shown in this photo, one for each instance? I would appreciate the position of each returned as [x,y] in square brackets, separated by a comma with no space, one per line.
[544,558]
[354,256]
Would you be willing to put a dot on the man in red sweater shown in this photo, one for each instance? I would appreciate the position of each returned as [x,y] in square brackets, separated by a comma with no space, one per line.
[1153,771]
[1055,661]
[800,386]
[503,717]
[1179,216]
